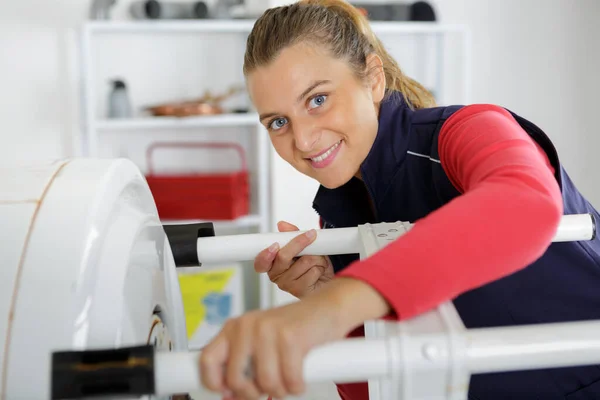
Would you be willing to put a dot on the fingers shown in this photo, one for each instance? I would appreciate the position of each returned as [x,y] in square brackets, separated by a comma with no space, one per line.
[255,355]
[268,369]
[291,361]
[284,226]
[301,266]
[302,275]
[238,377]
[264,260]
[295,246]
[212,361]
[285,256]
[310,277]
[279,370]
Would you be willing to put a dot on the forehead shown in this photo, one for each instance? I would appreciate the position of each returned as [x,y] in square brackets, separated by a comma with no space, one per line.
[287,76]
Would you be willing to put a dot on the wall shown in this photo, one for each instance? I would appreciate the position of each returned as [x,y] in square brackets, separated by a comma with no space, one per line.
[37,110]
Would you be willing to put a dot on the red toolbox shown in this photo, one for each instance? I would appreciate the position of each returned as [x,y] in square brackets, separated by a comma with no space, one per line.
[205,196]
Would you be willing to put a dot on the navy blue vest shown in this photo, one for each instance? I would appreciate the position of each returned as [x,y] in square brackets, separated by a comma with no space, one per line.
[404,179]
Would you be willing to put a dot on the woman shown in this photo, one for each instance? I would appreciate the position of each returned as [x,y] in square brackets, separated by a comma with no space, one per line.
[484,187]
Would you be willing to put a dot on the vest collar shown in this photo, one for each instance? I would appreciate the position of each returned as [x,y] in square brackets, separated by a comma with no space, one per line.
[390,145]
[348,205]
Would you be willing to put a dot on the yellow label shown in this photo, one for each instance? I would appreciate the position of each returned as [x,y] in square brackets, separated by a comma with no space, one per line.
[195,287]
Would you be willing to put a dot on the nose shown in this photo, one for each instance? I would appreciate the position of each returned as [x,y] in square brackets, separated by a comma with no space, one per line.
[306,136]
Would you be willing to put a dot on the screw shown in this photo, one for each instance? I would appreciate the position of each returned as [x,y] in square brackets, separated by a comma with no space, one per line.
[430,351]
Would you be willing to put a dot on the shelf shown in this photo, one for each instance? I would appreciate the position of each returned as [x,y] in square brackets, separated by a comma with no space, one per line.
[245,26]
[249,119]
[172,26]
[242,222]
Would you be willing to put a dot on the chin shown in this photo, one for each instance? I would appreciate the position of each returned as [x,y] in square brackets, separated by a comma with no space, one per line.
[332,182]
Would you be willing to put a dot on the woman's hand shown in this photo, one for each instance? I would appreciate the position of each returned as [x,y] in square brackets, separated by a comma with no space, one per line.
[297,276]
[261,353]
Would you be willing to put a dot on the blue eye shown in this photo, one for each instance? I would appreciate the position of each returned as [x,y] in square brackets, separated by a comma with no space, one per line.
[278,123]
[318,100]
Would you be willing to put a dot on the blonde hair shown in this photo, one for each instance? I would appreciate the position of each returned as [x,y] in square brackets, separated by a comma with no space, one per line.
[338,26]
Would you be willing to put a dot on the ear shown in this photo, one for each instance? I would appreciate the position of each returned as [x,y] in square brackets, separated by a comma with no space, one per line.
[376,76]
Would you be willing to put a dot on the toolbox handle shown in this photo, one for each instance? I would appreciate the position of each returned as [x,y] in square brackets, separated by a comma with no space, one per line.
[187,145]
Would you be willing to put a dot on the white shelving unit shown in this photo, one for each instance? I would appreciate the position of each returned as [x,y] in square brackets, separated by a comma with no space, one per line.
[108,137]
[414,44]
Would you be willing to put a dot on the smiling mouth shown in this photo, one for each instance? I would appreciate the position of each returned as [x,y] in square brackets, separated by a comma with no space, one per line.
[324,156]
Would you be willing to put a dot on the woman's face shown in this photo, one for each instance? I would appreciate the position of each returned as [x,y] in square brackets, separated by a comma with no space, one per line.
[321,118]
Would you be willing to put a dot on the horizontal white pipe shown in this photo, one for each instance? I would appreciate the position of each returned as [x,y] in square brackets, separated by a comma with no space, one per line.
[498,349]
[232,248]
[247,246]
[349,360]
[575,227]
[176,372]
[533,346]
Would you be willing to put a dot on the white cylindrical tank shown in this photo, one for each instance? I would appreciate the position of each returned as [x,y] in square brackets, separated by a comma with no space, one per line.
[84,264]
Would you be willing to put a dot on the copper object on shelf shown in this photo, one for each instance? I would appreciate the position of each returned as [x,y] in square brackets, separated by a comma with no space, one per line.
[185,109]
[208,104]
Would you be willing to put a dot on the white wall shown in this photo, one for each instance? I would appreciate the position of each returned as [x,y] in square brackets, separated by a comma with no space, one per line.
[36,111]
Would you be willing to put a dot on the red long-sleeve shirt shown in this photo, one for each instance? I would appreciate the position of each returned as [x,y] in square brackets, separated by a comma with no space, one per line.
[504,220]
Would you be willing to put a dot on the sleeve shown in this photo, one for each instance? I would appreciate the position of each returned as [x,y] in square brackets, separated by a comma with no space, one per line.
[505,218]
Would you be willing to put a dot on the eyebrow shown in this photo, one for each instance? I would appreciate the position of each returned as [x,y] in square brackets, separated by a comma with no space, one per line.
[309,89]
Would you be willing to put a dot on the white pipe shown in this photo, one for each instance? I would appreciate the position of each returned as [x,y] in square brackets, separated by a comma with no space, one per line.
[533,346]
[176,372]
[575,227]
[349,360]
[246,247]
[498,349]
[334,241]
